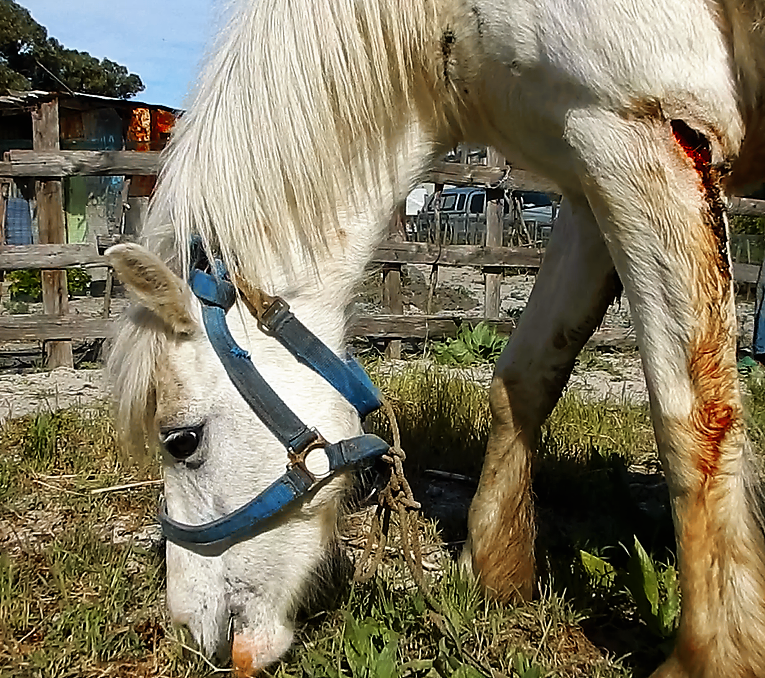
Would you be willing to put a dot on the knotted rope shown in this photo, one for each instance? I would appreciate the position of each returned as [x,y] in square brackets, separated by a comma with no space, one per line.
[396,497]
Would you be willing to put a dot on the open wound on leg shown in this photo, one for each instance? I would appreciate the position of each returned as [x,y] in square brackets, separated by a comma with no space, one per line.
[696,146]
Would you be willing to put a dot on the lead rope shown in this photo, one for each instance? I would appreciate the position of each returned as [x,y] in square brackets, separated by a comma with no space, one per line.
[396,497]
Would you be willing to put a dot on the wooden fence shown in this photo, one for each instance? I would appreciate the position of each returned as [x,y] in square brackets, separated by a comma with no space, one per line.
[57,328]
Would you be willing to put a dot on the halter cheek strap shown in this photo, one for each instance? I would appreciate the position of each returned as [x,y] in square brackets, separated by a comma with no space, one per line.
[217,295]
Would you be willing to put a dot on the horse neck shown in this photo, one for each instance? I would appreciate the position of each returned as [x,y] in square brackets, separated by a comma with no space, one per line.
[321,285]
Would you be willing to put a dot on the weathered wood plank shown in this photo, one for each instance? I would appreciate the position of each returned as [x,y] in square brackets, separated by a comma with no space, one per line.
[50,328]
[459,174]
[57,163]
[394,253]
[494,211]
[436,327]
[745,273]
[393,293]
[456,255]
[747,207]
[53,328]
[67,163]
[18,257]
[413,326]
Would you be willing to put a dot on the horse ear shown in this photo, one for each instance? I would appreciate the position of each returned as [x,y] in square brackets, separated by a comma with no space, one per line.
[157,288]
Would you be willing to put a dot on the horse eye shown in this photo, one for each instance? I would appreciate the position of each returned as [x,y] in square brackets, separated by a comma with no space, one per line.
[182,442]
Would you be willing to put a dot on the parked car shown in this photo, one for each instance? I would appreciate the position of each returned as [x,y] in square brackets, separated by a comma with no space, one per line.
[530,214]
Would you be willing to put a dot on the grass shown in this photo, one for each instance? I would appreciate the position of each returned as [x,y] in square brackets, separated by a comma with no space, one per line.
[82,578]
[79,588]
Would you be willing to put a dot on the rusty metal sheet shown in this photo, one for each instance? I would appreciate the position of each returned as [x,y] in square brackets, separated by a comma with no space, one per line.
[139,130]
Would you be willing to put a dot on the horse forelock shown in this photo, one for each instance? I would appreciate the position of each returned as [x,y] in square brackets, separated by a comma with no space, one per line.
[132,365]
[261,164]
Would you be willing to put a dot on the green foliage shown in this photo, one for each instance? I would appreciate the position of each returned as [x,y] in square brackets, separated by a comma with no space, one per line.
[748,225]
[654,588]
[16,307]
[29,59]
[78,281]
[370,648]
[27,283]
[656,594]
[480,344]
[748,367]
[526,668]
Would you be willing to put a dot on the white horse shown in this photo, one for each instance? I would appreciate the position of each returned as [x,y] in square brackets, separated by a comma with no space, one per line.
[311,122]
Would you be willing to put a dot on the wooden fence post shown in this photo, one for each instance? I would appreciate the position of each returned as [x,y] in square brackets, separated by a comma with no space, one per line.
[494,213]
[50,220]
[433,280]
[392,291]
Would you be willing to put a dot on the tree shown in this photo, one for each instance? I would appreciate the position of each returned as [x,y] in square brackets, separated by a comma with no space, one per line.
[29,59]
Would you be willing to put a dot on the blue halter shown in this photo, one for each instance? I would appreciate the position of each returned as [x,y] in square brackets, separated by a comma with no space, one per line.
[217,295]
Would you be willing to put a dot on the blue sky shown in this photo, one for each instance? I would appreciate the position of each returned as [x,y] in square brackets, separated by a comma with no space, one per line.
[162,41]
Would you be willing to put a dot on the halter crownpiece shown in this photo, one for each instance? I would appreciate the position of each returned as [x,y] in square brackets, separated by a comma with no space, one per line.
[217,295]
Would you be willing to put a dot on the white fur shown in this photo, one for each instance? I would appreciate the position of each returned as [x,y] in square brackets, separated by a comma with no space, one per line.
[311,122]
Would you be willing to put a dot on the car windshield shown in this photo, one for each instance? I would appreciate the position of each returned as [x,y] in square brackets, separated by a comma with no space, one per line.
[535,199]
[448,200]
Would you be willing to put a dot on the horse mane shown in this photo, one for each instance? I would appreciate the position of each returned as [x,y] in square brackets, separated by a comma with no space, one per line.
[262,160]
[261,163]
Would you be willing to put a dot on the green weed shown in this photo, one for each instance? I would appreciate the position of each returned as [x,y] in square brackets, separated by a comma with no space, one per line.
[653,587]
[479,344]
[27,284]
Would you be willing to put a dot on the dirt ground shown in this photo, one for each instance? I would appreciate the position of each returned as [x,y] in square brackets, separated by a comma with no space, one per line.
[607,374]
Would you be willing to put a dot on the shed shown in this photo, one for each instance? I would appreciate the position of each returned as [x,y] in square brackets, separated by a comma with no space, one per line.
[98,209]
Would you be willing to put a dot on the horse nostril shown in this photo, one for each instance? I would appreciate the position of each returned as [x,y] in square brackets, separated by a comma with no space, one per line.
[246,656]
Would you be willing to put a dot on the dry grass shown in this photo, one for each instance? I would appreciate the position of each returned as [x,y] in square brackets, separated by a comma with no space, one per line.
[82,575]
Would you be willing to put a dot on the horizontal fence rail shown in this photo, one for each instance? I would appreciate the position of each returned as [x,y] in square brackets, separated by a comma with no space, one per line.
[71,327]
[391,256]
[52,257]
[60,328]
[79,163]
[49,257]
[21,163]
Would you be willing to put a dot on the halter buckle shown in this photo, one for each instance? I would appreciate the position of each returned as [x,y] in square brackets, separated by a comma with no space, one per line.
[271,318]
[297,458]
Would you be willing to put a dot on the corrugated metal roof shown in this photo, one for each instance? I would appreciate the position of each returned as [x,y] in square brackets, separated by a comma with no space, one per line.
[30,98]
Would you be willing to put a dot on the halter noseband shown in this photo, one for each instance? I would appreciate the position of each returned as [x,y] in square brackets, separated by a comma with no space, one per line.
[217,295]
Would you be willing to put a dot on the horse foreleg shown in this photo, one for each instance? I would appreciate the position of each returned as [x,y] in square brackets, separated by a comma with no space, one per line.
[574,287]
[653,184]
